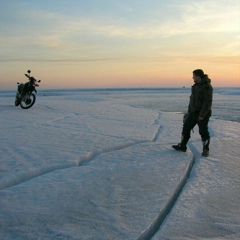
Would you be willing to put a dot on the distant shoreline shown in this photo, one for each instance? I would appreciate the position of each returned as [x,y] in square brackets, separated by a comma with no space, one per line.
[125,89]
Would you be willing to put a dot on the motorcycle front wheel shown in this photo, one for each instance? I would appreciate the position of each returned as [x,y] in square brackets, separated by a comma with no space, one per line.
[17,102]
[27,101]
[17,99]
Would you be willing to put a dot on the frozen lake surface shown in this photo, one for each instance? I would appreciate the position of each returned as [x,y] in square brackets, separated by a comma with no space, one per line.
[98,164]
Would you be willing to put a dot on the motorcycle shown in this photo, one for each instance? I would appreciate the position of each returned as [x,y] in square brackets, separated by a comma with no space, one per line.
[25,96]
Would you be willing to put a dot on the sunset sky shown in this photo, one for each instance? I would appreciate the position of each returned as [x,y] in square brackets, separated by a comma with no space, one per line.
[119,43]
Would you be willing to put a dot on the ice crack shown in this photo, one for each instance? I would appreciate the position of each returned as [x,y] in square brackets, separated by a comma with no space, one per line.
[148,233]
[90,156]
[28,175]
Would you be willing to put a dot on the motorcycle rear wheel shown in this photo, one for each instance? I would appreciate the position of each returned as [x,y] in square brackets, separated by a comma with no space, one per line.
[27,101]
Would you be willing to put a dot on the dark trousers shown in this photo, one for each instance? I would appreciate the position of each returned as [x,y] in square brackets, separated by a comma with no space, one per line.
[190,122]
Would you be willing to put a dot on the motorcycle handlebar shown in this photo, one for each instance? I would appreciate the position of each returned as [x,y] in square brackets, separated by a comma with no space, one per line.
[29,77]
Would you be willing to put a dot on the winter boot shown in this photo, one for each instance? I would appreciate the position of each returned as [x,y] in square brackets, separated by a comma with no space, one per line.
[182,146]
[205,152]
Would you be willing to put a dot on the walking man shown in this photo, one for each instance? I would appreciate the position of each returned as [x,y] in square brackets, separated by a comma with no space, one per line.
[199,112]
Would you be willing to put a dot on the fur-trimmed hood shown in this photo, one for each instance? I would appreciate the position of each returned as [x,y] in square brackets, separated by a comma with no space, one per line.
[206,79]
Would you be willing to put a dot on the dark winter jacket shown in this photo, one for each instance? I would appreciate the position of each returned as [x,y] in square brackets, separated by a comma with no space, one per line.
[201,98]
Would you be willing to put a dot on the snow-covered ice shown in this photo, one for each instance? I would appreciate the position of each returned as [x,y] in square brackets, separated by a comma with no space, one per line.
[98,164]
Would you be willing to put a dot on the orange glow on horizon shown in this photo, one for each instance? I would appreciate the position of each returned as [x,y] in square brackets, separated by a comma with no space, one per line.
[125,47]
